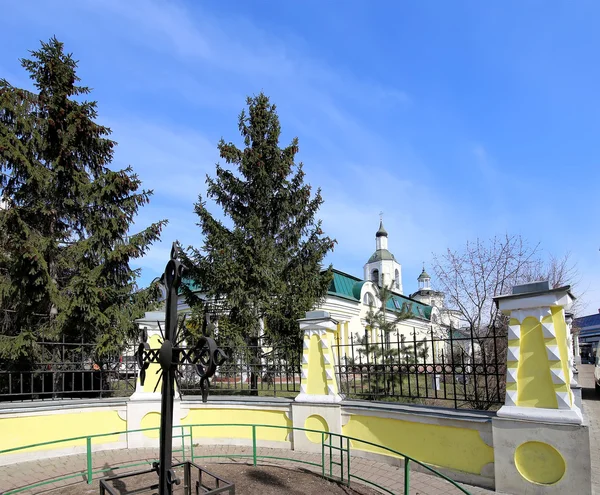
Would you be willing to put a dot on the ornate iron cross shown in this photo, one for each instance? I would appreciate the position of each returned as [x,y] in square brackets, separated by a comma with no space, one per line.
[205,356]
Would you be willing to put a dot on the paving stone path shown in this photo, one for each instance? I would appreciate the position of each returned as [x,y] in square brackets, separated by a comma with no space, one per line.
[26,473]
[390,477]
[591,409]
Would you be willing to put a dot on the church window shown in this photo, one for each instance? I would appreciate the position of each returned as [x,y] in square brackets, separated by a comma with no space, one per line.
[397,279]
[368,300]
[375,276]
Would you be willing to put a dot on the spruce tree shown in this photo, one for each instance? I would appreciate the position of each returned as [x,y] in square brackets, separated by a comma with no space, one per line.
[65,251]
[263,262]
[387,356]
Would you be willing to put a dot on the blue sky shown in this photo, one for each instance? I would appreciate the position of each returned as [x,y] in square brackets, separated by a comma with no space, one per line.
[458,120]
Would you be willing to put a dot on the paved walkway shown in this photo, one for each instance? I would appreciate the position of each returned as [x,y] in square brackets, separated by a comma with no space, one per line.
[391,477]
[388,476]
[591,409]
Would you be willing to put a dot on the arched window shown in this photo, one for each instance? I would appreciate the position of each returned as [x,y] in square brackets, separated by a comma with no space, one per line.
[397,279]
[375,276]
[368,300]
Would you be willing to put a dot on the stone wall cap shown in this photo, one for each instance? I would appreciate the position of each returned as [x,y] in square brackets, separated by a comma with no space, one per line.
[152,317]
[537,286]
[215,400]
[59,404]
[317,317]
[522,292]
[317,314]
[431,411]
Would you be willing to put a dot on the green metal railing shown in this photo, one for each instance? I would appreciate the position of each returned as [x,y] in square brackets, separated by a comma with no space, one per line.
[330,442]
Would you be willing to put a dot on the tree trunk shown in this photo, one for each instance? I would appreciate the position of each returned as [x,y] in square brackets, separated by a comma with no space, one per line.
[254,358]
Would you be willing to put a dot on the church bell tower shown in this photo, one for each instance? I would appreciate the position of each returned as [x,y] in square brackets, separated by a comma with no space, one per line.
[382,268]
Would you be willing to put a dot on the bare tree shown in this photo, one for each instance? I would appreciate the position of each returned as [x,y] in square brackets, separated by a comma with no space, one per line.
[559,271]
[472,276]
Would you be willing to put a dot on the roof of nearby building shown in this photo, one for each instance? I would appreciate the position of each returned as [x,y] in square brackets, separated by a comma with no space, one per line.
[342,285]
[191,284]
[587,322]
[349,287]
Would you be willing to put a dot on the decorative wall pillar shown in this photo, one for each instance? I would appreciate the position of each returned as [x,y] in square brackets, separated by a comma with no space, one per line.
[540,442]
[539,358]
[317,405]
[150,327]
[318,378]
[574,354]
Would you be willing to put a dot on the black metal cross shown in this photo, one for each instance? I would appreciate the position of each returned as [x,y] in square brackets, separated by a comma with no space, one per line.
[205,355]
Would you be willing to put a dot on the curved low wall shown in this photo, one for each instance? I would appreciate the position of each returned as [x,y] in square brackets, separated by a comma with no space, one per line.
[459,444]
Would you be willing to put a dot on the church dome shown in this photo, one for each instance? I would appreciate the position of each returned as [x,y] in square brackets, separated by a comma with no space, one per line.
[381,232]
[381,254]
[424,275]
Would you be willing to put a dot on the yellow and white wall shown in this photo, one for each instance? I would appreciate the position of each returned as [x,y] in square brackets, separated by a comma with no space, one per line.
[538,443]
[459,444]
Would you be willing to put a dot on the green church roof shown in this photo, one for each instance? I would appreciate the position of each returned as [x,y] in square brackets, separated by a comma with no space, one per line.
[191,285]
[343,284]
[381,254]
[349,287]
[423,275]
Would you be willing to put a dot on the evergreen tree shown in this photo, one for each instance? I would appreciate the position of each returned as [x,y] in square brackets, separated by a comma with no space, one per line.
[266,265]
[65,249]
[386,355]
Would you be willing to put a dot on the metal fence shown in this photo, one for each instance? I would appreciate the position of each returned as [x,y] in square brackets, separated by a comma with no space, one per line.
[456,368]
[339,460]
[261,368]
[57,370]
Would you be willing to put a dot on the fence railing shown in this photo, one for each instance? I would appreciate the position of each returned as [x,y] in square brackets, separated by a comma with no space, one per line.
[263,369]
[58,370]
[455,368]
[335,461]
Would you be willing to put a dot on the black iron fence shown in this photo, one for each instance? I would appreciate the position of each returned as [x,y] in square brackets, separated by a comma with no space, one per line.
[56,370]
[456,368]
[260,368]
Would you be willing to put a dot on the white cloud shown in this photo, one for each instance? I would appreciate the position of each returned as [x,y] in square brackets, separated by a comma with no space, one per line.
[184,72]
[172,160]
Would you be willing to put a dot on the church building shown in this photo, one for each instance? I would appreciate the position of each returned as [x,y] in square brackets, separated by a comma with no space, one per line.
[350,298]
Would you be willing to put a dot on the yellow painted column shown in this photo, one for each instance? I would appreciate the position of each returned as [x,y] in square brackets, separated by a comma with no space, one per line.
[346,334]
[151,327]
[538,375]
[318,373]
[540,442]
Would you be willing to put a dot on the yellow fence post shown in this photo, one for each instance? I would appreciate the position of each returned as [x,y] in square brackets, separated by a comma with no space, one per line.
[538,371]
[318,374]
[541,444]
[317,406]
